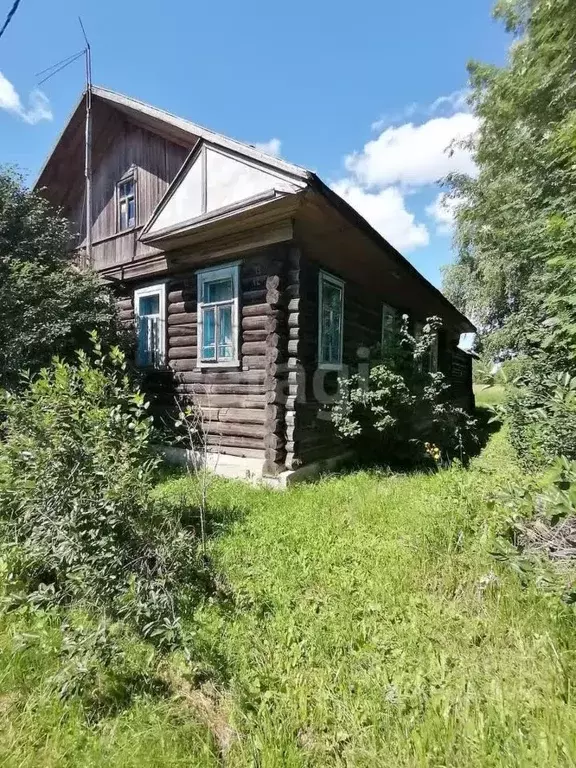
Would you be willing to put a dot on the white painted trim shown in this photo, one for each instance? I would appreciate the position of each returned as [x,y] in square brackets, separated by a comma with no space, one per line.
[199,154]
[330,278]
[231,269]
[151,290]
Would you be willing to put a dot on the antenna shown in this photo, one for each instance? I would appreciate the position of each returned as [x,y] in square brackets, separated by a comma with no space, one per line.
[88,147]
[46,74]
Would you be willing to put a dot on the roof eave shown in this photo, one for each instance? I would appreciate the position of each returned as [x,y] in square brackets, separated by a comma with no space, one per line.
[359,221]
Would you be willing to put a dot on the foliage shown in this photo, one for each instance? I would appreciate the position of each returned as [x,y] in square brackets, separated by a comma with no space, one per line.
[76,520]
[396,409]
[47,306]
[368,625]
[541,411]
[516,220]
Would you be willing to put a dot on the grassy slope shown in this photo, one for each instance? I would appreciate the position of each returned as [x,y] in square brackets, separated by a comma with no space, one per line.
[370,627]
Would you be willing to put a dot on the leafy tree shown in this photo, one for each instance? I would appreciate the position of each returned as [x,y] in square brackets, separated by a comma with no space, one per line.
[47,306]
[516,224]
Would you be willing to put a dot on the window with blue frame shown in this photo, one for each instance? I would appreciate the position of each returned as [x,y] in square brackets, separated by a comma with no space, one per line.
[218,316]
[126,200]
[150,312]
[330,321]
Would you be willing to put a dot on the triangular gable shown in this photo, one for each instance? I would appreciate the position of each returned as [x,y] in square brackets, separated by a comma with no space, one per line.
[215,181]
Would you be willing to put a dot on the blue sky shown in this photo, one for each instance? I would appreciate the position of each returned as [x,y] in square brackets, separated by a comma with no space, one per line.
[368,94]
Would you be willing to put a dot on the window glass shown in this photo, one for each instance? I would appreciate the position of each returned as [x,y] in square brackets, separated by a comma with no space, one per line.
[331,315]
[149,307]
[218,312]
[218,290]
[126,204]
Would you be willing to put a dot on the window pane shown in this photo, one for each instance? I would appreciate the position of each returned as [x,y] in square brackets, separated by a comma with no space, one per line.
[149,305]
[225,341]
[123,214]
[148,341]
[218,290]
[209,334]
[331,322]
[131,212]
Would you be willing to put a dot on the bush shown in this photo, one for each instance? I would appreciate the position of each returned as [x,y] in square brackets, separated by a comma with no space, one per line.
[541,411]
[396,410]
[47,306]
[76,519]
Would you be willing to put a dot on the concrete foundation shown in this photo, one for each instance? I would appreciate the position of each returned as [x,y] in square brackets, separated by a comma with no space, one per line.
[250,469]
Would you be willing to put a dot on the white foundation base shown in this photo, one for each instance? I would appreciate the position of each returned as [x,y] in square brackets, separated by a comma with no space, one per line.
[250,469]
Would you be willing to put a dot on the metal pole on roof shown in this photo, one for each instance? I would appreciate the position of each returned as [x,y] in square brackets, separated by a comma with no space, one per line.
[88,149]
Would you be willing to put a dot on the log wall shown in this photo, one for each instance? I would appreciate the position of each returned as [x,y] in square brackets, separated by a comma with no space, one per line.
[242,405]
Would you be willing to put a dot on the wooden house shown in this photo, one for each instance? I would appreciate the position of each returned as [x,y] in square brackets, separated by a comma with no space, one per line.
[251,283]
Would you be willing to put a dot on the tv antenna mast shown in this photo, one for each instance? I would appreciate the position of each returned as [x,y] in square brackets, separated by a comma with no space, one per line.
[46,74]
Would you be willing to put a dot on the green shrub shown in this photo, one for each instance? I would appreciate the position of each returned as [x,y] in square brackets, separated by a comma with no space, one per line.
[541,411]
[76,519]
[397,410]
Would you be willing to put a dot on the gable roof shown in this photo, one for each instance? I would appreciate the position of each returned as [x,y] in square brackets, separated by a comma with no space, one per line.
[189,134]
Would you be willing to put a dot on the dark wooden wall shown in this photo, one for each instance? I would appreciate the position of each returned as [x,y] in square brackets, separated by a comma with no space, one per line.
[156,161]
[243,406]
[273,406]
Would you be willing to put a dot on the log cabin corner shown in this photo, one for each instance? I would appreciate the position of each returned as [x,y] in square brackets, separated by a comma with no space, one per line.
[251,283]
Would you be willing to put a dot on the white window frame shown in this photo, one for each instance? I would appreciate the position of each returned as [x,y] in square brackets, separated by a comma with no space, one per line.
[208,275]
[329,278]
[140,293]
[387,309]
[130,176]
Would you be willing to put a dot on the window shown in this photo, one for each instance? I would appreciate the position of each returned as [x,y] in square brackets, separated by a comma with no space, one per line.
[430,360]
[389,325]
[126,200]
[330,321]
[433,362]
[218,316]
[150,311]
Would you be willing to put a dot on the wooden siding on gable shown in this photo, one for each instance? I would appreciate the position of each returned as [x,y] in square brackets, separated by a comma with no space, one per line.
[155,161]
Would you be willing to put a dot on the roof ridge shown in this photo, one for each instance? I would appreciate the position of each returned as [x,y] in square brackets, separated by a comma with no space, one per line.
[183,123]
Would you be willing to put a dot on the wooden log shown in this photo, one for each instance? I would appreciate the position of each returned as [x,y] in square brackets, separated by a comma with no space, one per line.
[273,297]
[183,353]
[183,365]
[242,415]
[246,453]
[178,331]
[257,322]
[273,441]
[250,362]
[240,430]
[254,348]
[222,389]
[186,295]
[256,335]
[209,377]
[124,304]
[234,441]
[254,297]
[255,310]
[184,318]
[228,401]
[273,282]
[188,340]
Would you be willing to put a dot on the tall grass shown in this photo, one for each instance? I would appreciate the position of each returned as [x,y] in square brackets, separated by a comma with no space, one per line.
[367,625]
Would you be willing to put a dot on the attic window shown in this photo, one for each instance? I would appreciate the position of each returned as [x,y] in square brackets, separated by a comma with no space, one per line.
[126,201]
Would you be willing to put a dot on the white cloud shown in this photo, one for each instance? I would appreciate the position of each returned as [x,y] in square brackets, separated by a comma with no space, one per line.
[457,101]
[38,104]
[386,211]
[443,210]
[414,155]
[271,147]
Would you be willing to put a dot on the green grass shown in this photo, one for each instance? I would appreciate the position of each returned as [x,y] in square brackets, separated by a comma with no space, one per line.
[486,396]
[368,625]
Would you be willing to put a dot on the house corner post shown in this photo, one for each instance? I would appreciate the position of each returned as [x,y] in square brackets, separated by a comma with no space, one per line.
[276,369]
